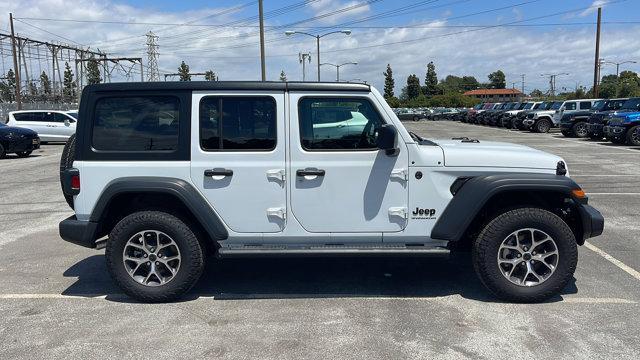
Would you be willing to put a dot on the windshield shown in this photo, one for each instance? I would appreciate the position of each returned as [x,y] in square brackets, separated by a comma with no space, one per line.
[631,104]
[556,105]
[2,125]
[599,105]
[526,106]
[537,106]
[73,114]
[478,107]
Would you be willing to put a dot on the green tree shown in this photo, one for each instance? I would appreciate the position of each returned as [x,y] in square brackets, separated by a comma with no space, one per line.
[469,83]
[45,84]
[413,86]
[69,90]
[209,75]
[497,80]
[431,80]
[283,76]
[8,87]
[389,83]
[183,70]
[32,88]
[536,93]
[93,71]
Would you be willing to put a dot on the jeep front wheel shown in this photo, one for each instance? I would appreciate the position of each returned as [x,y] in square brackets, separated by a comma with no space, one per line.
[633,136]
[525,255]
[154,256]
[542,126]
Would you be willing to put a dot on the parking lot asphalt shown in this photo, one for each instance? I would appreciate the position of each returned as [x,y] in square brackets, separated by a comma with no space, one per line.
[57,300]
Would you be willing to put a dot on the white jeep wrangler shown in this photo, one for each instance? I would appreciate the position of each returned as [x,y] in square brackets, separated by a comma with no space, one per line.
[161,174]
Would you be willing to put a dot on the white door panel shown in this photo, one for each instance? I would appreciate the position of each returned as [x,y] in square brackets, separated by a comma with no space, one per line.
[251,199]
[360,191]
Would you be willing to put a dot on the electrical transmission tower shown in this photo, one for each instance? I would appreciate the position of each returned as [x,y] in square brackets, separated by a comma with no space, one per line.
[152,57]
[304,58]
[552,82]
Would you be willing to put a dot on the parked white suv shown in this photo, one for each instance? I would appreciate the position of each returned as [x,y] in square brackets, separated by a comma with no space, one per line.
[51,125]
[162,174]
[572,106]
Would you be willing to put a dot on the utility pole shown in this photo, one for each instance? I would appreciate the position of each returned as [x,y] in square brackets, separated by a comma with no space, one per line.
[304,58]
[16,70]
[596,72]
[552,82]
[522,75]
[262,61]
[513,85]
[152,57]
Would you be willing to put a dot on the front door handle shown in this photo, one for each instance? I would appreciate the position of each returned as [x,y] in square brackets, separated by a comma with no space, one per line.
[218,172]
[310,172]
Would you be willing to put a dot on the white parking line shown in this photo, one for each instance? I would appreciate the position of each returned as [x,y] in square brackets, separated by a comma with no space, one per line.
[608,175]
[629,270]
[620,193]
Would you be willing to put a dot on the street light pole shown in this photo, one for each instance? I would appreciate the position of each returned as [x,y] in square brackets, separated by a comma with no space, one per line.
[338,68]
[317,37]
[618,65]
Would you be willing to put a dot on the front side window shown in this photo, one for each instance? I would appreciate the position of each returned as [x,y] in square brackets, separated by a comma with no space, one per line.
[136,123]
[570,106]
[238,123]
[338,124]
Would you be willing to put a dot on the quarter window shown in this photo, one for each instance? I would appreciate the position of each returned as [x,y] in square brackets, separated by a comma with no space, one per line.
[136,123]
[585,105]
[338,124]
[238,123]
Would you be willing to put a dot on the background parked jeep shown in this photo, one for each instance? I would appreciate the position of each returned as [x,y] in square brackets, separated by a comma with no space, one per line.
[599,120]
[624,128]
[575,123]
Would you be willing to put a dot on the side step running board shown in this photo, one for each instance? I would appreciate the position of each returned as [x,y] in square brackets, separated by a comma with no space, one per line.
[330,250]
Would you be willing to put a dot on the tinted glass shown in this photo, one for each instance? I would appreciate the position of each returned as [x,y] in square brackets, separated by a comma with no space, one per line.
[616,104]
[585,105]
[238,123]
[60,118]
[570,106]
[140,123]
[632,104]
[556,105]
[73,115]
[34,116]
[601,105]
[338,124]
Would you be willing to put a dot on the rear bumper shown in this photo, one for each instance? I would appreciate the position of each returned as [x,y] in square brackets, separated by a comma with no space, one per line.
[78,232]
[592,222]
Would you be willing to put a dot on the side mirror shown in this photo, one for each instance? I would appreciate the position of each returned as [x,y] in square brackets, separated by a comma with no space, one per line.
[387,139]
[67,122]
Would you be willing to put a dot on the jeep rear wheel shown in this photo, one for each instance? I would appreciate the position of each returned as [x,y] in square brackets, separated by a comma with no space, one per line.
[2,152]
[633,136]
[579,129]
[525,255]
[154,256]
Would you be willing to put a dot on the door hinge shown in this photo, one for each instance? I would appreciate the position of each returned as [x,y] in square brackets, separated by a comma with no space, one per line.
[401,174]
[399,211]
[279,212]
[277,174]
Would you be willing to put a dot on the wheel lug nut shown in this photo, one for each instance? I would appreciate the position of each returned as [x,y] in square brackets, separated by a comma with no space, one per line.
[148,262]
[519,255]
[145,255]
[157,262]
[533,253]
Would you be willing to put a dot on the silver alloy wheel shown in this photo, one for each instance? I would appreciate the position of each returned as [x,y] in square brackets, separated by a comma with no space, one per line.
[581,130]
[528,257]
[635,137]
[151,258]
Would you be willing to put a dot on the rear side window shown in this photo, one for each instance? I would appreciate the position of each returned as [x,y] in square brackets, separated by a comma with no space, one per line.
[571,106]
[585,105]
[238,123]
[36,116]
[140,123]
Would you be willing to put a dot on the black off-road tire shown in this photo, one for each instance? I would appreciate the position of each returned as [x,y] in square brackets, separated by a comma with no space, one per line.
[416,118]
[66,162]
[486,247]
[24,154]
[542,126]
[579,129]
[633,136]
[191,251]
[566,133]
[3,153]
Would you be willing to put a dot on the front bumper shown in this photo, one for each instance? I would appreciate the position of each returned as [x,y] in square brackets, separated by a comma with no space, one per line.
[78,232]
[592,222]
[528,122]
[614,132]
[595,129]
[24,144]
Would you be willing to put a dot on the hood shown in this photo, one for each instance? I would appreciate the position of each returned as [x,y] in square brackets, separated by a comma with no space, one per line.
[495,154]
[624,117]
[6,130]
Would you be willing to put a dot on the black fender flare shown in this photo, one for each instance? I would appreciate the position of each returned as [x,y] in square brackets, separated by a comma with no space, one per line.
[470,198]
[178,188]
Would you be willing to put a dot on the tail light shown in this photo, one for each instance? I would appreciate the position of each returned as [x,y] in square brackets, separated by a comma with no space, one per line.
[71,181]
[75,182]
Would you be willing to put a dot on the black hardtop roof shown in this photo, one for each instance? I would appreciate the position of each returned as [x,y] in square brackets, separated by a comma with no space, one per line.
[228,85]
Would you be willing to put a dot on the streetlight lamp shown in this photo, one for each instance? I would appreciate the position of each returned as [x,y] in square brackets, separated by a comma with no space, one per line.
[292,32]
[338,68]
[617,64]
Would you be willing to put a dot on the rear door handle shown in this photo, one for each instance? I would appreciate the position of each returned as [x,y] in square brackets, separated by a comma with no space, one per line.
[218,172]
[310,172]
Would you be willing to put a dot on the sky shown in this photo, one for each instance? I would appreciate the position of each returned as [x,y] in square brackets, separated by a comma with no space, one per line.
[461,37]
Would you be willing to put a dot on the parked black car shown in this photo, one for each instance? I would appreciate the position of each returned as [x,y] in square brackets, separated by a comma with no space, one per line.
[17,140]
[599,120]
[518,121]
[575,124]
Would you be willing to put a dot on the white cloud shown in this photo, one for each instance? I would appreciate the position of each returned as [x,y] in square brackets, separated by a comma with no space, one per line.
[234,54]
[327,6]
[594,7]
